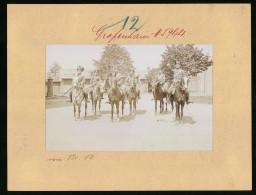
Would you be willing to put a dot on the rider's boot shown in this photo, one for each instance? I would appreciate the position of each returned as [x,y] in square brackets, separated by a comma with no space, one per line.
[187,99]
[70,97]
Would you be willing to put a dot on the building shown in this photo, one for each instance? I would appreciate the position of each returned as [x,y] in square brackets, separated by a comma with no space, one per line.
[64,81]
[143,80]
[200,85]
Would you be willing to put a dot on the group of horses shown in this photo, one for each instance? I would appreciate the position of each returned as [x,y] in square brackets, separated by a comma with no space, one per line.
[116,97]
[159,94]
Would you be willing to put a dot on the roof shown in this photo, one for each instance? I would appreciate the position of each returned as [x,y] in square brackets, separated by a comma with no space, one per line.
[69,73]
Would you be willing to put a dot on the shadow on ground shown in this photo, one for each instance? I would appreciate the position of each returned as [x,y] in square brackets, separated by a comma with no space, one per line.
[186,120]
[91,117]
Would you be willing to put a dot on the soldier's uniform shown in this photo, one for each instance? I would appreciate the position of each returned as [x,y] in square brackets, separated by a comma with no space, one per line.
[179,74]
[97,80]
[78,79]
[159,78]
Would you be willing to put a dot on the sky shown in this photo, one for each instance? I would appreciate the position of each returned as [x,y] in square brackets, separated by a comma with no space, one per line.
[71,56]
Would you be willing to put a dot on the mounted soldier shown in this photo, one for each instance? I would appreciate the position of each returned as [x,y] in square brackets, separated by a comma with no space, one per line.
[96,80]
[118,78]
[178,76]
[77,79]
[159,78]
[185,81]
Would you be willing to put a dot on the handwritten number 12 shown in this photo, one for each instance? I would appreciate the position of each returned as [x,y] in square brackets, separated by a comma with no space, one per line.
[134,19]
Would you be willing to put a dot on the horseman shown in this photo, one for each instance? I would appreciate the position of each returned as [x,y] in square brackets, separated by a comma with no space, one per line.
[96,80]
[178,75]
[78,79]
[186,81]
[159,78]
[121,83]
[116,77]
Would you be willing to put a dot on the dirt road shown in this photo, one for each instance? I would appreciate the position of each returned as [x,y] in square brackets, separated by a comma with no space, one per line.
[143,132]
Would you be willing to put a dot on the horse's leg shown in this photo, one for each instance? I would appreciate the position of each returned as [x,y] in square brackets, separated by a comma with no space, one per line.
[112,110]
[181,110]
[134,106]
[95,106]
[117,109]
[172,104]
[155,106]
[99,103]
[79,110]
[166,104]
[130,103]
[177,110]
[92,102]
[74,110]
[160,106]
[123,107]
[85,107]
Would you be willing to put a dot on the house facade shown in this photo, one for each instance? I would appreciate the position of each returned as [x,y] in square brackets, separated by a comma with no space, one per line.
[200,85]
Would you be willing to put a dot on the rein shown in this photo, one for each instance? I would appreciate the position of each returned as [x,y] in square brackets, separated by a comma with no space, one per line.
[78,94]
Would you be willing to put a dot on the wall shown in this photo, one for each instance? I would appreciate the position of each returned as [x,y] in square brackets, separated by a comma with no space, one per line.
[201,85]
[56,87]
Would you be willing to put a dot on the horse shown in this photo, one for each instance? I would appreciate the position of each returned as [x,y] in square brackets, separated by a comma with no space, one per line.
[159,94]
[96,97]
[179,98]
[106,85]
[77,97]
[115,97]
[91,96]
[132,97]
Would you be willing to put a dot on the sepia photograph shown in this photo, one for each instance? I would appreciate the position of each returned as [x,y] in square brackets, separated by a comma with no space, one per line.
[129,97]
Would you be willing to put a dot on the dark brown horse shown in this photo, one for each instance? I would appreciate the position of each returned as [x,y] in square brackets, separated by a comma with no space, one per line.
[78,95]
[132,97]
[179,98]
[96,97]
[115,97]
[159,94]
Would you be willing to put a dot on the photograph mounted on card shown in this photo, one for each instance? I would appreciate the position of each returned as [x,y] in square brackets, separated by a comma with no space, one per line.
[129,97]
[113,94]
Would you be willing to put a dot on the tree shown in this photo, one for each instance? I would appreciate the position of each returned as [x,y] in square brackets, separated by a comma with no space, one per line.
[114,58]
[53,73]
[190,58]
[151,75]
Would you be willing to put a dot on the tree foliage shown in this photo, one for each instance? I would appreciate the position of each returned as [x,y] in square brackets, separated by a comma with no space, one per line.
[54,71]
[190,58]
[114,58]
[151,75]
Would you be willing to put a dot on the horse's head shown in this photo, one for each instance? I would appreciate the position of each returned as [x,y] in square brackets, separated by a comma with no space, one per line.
[115,83]
[184,82]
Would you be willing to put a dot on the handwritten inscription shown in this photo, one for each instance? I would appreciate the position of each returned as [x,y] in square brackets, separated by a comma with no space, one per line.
[72,157]
[104,32]
[134,21]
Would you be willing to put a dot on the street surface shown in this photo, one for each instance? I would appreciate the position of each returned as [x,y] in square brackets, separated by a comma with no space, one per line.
[142,132]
